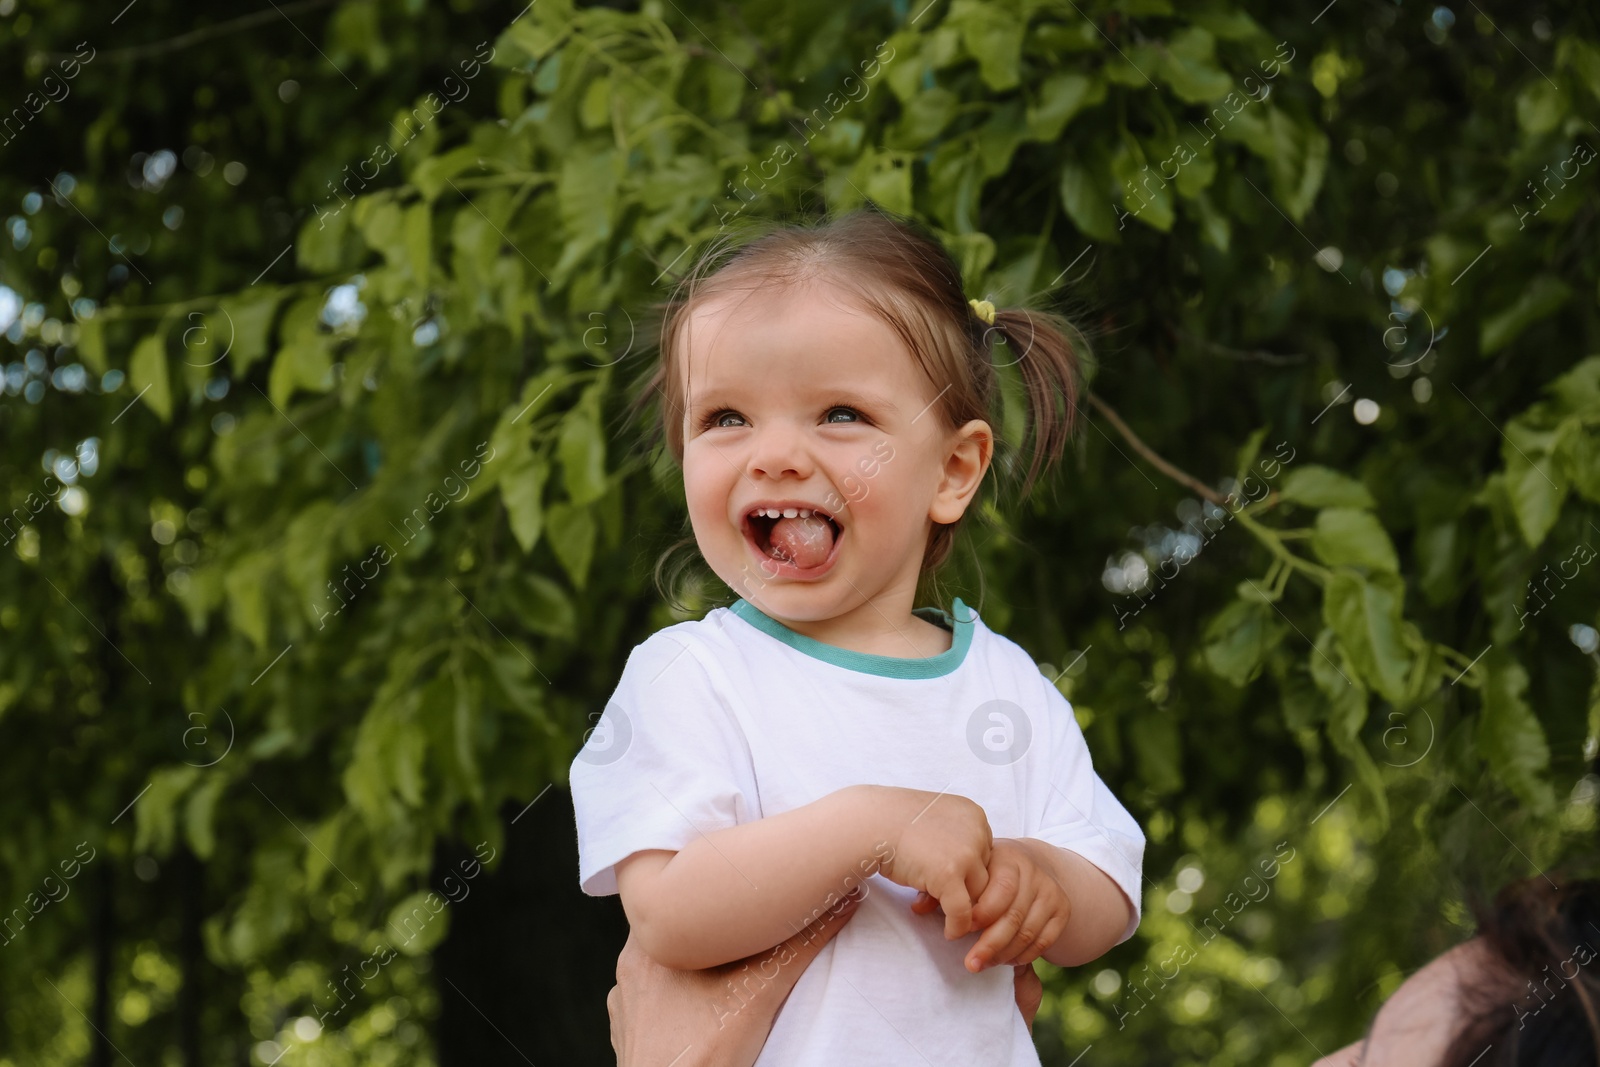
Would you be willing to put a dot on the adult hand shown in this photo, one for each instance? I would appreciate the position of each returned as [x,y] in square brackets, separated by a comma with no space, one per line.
[661,1016]
[718,1017]
[1029,992]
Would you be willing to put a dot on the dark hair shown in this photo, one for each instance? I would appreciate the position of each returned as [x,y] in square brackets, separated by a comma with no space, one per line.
[1532,1012]
[903,275]
[1522,1008]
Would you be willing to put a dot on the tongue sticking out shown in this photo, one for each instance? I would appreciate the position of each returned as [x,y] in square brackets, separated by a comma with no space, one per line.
[802,542]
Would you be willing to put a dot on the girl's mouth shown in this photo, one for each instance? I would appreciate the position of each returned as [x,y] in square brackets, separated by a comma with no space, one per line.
[793,541]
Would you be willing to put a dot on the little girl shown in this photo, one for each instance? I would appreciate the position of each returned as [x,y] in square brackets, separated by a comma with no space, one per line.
[827,392]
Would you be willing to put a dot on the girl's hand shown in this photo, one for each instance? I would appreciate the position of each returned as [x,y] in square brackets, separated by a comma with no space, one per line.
[1023,908]
[942,848]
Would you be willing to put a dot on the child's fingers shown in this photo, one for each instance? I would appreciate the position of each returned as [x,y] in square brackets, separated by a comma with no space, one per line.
[924,904]
[1005,882]
[1047,937]
[1035,932]
[1001,934]
[957,904]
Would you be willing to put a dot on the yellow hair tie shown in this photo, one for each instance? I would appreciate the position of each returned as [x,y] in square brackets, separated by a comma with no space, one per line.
[984,309]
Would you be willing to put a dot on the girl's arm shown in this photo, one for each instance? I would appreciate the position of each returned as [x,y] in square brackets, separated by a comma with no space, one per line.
[745,888]
[1100,910]
[1042,900]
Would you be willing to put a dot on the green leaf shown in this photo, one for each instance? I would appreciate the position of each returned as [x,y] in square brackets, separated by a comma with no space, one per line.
[1239,638]
[246,583]
[1347,715]
[1536,479]
[582,450]
[92,344]
[156,812]
[432,175]
[543,606]
[888,184]
[1540,107]
[1158,748]
[200,815]
[1189,67]
[320,248]
[1583,58]
[247,318]
[1540,298]
[468,697]
[1437,559]
[1510,736]
[1086,195]
[380,220]
[571,531]
[925,117]
[1061,96]
[1366,616]
[147,371]
[1249,451]
[1229,25]
[1145,194]
[586,195]
[1215,227]
[419,241]
[419,922]
[1580,452]
[1578,390]
[1323,487]
[324,839]
[1299,162]
[303,363]
[522,489]
[992,34]
[1353,537]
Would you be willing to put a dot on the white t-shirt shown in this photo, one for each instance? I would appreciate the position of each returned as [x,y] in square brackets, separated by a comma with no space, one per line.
[736,717]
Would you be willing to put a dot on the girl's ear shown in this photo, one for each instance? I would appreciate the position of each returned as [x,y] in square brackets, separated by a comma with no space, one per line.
[972,447]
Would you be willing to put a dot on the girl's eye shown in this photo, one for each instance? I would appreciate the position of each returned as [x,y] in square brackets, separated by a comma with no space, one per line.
[849,415]
[723,419]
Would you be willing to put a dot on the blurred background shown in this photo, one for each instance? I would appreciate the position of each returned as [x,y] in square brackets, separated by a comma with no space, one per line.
[326,531]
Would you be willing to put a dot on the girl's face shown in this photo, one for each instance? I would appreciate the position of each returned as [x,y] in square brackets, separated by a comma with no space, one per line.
[795,401]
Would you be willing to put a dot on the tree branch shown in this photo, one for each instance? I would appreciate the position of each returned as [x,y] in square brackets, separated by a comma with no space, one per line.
[1155,458]
[1256,355]
[200,36]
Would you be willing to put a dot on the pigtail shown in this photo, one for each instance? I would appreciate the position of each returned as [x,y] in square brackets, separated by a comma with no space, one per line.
[1044,353]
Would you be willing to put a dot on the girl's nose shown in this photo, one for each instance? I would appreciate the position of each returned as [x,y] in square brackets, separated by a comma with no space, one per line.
[780,452]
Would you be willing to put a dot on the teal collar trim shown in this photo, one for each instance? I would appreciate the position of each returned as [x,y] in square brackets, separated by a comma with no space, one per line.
[959,622]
